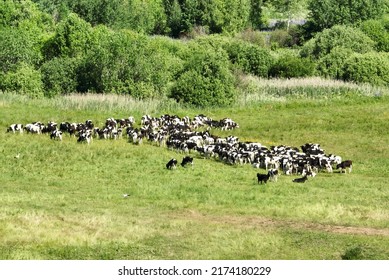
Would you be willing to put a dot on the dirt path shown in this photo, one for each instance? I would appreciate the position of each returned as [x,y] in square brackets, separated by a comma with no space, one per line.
[254,221]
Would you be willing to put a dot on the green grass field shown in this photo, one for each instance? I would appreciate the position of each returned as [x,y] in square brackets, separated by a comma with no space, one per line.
[64,200]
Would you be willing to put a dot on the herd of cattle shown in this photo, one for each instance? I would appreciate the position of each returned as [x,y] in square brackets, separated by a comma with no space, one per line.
[186,135]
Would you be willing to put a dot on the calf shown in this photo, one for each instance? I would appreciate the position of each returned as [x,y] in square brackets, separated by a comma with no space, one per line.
[172,164]
[300,180]
[187,160]
[263,178]
[344,165]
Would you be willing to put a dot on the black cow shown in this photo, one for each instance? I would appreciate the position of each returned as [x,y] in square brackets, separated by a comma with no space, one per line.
[172,164]
[263,178]
[187,160]
[345,164]
[300,180]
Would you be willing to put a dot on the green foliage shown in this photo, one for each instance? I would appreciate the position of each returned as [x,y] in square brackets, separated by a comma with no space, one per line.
[327,13]
[252,36]
[23,14]
[249,57]
[256,16]
[23,80]
[289,66]
[59,76]
[128,63]
[337,36]
[378,31]
[206,79]
[370,67]
[332,64]
[18,46]
[210,16]
[72,38]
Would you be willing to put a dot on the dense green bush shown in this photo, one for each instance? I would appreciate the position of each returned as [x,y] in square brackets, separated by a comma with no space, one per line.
[59,76]
[337,36]
[249,57]
[23,80]
[18,46]
[289,66]
[128,63]
[206,79]
[72,38]
[372,67]
[332,64]
[378,31]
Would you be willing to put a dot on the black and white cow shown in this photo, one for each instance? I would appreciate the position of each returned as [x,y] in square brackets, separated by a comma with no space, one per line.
[187,160]
[172,164]
[15,127]
[85,136]
[56,134]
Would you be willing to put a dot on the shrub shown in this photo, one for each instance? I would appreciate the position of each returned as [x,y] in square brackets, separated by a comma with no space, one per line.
[72,38]
[378,31]
[205,80]
[252,36]
[292,67]
[59,76]
[371,68]
[337,36]
[18,46]
[128,63]
[249,57]
[24,80]
[332,64]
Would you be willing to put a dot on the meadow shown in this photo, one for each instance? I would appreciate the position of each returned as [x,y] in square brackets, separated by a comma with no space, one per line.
[64,200]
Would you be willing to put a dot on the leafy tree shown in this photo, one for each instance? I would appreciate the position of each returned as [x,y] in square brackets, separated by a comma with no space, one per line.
[127,63]
[72,38]
[18,46]
[327,13]
[378,31]
[256,13]
[288,8]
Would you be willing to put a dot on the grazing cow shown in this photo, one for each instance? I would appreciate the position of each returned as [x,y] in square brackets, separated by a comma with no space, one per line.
[56,134]
[300,180]
[85,136]
[15,127]
[172,164]
[263,178]
[344,165]
[187,160]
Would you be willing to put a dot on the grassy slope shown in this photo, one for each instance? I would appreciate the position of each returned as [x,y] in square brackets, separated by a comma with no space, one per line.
[64,200]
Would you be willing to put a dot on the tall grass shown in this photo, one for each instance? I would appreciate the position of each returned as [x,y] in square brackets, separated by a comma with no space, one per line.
[256,90]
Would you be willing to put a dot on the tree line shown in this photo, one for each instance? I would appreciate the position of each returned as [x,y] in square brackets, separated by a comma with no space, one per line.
[192,51]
